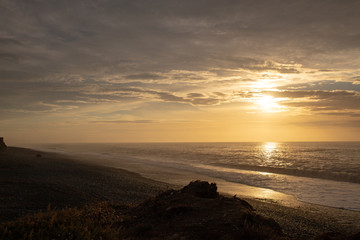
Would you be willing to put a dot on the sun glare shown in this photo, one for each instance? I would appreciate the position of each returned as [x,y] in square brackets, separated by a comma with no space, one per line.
[269,147]
[268,104]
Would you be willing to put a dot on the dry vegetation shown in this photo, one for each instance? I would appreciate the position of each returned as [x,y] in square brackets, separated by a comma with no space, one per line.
[94,222]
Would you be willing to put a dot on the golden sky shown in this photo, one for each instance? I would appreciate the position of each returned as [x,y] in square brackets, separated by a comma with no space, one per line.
[140,71]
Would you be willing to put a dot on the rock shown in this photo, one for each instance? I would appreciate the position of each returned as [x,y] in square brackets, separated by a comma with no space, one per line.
[197,211]
[201,189]
[3,146]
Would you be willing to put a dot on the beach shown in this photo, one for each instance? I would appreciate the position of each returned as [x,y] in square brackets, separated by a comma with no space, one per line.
[33,181]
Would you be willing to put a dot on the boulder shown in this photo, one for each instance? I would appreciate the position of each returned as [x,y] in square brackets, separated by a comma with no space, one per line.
[201,189]
[197,211]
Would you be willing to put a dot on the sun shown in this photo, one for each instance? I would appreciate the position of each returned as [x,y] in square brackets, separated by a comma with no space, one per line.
[268,104]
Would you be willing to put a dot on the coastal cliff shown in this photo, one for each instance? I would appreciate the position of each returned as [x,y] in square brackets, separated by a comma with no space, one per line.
[3,146]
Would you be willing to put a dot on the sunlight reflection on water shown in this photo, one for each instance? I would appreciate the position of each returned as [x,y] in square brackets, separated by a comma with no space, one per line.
[269,148]
[269,151]
[272,155]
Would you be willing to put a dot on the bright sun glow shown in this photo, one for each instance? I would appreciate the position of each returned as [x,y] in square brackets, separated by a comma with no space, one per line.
[269,147]
[269,104]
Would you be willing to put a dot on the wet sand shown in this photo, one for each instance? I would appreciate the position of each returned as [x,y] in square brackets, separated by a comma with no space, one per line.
[298,220]
[31,181]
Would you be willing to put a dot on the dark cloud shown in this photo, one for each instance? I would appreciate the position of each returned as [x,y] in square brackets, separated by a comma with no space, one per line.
[195,95]
[315,94]
[8,57]
[171,97]
[257,65]
[165,35]
[145,76]
[194,99]
[21,107]
[220,94]
[324,85]
[187,76]
[357,78]
[4,41]
[53,96]
[342,113]
[9,77]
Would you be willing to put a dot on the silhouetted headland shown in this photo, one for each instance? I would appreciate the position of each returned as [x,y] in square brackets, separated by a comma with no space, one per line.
[3,146]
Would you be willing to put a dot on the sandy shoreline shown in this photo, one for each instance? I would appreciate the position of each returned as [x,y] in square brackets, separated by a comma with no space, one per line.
[30,182]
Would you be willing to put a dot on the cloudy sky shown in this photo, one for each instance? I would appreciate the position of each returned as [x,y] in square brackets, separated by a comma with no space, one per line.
[179,70]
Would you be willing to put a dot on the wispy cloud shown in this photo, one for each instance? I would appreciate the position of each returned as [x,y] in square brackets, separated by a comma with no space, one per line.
[124,121]
[144,76]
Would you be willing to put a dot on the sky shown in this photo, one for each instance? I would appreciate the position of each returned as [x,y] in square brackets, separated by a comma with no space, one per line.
[179,70]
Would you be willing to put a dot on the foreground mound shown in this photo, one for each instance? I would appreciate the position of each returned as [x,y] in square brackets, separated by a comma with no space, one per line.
[198,212]
[194,212]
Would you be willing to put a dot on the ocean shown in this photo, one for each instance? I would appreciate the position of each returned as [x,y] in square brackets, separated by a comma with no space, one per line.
[325,173]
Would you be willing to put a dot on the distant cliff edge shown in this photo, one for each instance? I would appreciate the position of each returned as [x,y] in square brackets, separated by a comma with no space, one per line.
[3,146]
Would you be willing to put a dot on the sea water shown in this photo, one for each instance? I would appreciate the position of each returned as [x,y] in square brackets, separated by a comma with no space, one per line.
[325,173]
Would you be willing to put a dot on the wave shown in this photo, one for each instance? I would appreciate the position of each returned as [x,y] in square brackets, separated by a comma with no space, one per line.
[312,190]
[321,174]
[327,192]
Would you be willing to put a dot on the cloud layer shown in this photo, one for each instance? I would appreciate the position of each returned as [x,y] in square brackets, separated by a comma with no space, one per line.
[112,61]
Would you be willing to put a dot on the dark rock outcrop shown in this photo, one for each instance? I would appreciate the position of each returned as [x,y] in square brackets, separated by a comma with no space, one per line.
[3,146]
[201,189]
[197,212]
